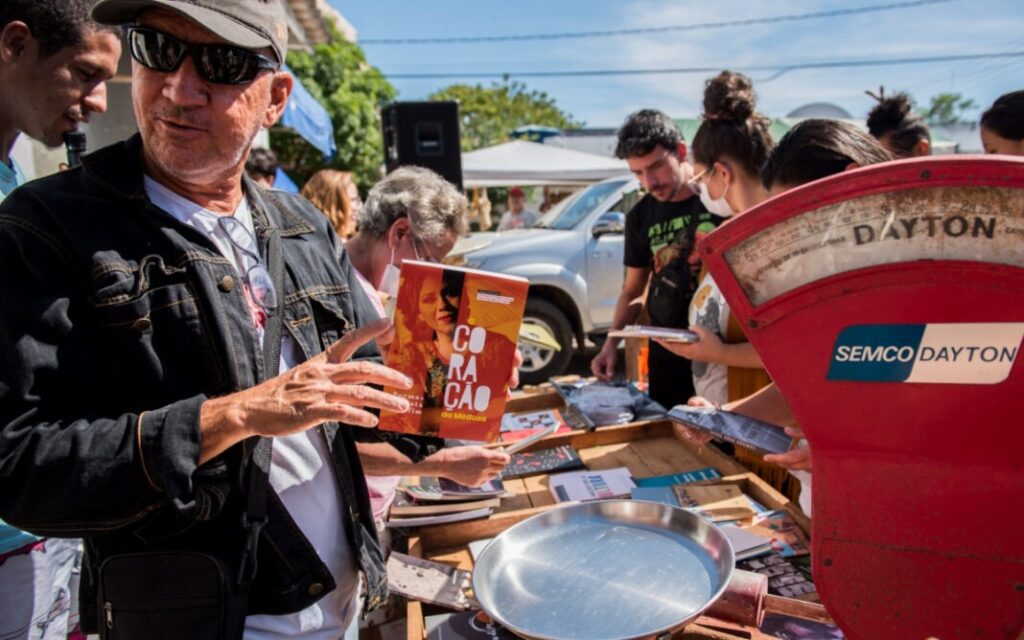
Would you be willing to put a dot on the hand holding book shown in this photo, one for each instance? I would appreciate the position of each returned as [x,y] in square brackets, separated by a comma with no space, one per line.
[471,465]
[710,348]
[798,459]
[734,427]
[693,434]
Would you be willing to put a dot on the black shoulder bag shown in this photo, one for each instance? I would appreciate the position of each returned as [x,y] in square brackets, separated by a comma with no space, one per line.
[169,595]
[672,286]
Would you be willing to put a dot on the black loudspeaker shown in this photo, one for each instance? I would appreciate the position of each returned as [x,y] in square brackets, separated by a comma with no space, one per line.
[424,134]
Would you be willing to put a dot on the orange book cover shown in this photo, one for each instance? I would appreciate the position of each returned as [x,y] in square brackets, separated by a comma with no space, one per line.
[455,335]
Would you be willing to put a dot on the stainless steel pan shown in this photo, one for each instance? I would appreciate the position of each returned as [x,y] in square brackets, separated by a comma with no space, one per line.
[606,570]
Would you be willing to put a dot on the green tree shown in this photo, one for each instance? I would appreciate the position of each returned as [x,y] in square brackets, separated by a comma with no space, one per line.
[948,108]
[490,113]
[352,91]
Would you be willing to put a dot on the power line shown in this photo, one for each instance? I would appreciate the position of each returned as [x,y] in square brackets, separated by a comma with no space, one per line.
[779,68]
[649,30]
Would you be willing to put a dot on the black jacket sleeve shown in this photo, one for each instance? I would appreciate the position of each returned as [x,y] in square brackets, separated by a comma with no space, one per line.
[67,469]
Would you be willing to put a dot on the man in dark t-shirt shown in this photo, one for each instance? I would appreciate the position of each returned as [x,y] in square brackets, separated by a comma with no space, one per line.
[661,231]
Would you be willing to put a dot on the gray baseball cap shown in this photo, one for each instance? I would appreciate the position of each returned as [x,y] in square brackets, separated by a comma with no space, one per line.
[251,24]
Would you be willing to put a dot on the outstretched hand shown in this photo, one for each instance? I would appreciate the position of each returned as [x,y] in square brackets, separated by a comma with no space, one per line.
[513,379]
[603,364]
[325,388]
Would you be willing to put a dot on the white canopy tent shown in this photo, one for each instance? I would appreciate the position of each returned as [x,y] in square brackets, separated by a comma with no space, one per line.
[530,163]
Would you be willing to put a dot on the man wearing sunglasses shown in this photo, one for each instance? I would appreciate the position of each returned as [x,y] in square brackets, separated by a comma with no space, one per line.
[137,293]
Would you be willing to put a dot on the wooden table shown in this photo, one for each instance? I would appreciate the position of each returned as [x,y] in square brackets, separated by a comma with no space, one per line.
[646,448]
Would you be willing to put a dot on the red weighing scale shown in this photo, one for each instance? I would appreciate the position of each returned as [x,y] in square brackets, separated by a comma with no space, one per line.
[887,303]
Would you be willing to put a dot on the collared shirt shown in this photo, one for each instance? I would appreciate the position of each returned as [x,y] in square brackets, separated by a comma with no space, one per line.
[10,178]
[301,470]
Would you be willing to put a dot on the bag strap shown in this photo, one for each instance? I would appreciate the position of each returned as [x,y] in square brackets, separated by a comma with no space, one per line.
[255,515]
[691,232]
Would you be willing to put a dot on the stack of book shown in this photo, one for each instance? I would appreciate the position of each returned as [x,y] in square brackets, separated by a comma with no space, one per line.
[753,530]
[428,501]
[788,577]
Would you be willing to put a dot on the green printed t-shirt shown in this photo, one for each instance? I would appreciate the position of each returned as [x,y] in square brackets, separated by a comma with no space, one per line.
[652,227]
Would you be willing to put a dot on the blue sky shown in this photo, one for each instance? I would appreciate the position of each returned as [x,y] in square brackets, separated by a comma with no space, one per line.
[951,28]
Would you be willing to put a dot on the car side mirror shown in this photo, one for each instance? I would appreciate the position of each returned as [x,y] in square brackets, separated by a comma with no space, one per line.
[609,222]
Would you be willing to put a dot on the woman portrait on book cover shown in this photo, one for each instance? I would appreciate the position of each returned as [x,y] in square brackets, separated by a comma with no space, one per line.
[456,338]
[439,303]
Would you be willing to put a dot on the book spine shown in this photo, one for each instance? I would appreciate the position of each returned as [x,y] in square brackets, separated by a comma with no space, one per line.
[734,440]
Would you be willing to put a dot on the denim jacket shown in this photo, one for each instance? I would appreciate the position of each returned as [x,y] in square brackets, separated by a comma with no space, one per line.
[117,322]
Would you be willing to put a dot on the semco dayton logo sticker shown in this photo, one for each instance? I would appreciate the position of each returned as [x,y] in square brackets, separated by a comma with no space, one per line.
[968,353]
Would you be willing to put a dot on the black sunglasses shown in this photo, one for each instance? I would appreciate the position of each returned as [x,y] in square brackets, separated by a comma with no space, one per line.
[217,63]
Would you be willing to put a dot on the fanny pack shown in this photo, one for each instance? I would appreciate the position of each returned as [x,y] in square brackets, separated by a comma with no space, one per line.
[672,286]
[170,595]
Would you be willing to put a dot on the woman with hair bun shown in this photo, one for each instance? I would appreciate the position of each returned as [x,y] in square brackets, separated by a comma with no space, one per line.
[1002,125]
[729,149]
[730,146]
[897,128]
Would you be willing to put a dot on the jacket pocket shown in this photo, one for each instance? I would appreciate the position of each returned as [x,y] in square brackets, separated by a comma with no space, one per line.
[331,316]
[155,329]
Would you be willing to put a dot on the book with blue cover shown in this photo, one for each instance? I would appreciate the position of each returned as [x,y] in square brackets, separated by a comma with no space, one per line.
[698,475]
[661,495]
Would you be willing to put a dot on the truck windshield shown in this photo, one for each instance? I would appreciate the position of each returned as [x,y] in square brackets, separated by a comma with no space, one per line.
[567,214]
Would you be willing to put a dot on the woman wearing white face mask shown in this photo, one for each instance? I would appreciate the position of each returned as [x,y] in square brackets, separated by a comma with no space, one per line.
[728,152]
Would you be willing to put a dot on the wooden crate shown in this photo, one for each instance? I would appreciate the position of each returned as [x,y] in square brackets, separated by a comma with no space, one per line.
[647,449]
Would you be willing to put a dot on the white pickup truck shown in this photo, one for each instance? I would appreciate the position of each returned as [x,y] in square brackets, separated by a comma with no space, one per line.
[573,260]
